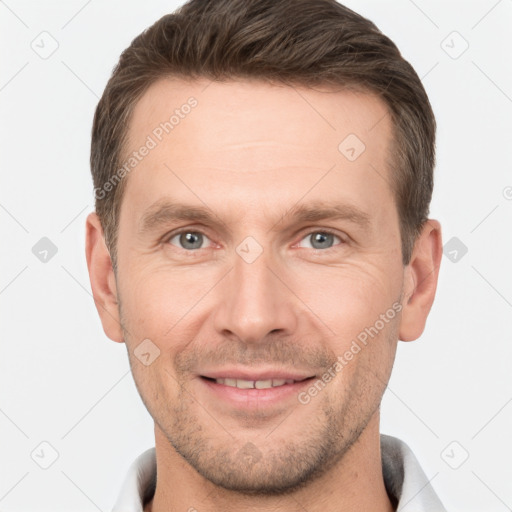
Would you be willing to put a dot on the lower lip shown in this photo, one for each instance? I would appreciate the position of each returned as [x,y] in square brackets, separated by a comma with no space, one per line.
[256,398]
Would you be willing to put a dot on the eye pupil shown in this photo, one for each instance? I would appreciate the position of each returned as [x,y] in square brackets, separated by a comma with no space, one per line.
[193,239]
[319,240]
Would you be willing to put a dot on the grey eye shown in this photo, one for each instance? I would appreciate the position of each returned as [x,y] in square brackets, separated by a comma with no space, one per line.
[189,240]
[321,240]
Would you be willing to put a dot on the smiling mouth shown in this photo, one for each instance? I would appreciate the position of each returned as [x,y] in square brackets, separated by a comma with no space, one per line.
[255,384]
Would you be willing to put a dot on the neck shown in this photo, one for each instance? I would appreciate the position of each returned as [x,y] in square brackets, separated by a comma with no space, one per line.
[354,483]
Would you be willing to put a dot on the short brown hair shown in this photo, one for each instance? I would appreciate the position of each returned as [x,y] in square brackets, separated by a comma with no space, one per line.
[293,42]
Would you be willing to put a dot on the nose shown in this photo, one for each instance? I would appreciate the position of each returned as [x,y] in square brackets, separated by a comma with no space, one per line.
[255,301]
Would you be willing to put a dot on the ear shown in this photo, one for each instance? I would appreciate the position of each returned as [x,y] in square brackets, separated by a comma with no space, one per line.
[420,281]
[102,277]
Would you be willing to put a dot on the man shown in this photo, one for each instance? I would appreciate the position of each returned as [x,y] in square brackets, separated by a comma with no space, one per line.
[261,241]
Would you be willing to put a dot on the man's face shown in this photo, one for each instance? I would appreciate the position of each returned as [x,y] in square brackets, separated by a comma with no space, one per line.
[253,290]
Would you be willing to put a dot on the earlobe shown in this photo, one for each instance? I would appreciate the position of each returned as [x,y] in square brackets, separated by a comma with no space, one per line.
[102,278]
[420,281]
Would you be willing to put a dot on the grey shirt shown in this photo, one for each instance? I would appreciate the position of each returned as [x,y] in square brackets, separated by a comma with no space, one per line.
[406,483]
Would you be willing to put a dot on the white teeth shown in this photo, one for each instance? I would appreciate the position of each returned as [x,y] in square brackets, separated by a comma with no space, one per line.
[244,384]
[251,384]
[263,384]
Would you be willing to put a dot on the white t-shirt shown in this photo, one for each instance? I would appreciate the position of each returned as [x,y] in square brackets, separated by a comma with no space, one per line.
[403,477]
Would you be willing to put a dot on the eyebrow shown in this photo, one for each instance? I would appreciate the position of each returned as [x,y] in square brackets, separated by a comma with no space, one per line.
[165,212]
[316,211]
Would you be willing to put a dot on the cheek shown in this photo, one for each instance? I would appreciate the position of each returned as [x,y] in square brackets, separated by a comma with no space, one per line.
[365,367]
[157,302]
[360,325]
[156,386]
[349,298]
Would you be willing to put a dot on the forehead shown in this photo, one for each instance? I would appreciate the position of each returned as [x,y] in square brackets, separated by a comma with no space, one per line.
[261,109]
[248,134]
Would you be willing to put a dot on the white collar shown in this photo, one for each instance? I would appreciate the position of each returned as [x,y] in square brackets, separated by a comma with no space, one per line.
[403,477]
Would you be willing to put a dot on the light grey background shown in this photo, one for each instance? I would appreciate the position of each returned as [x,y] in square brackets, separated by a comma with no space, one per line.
[64,383]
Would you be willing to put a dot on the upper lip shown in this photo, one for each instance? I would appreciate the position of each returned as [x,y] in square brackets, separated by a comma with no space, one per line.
[253,375]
